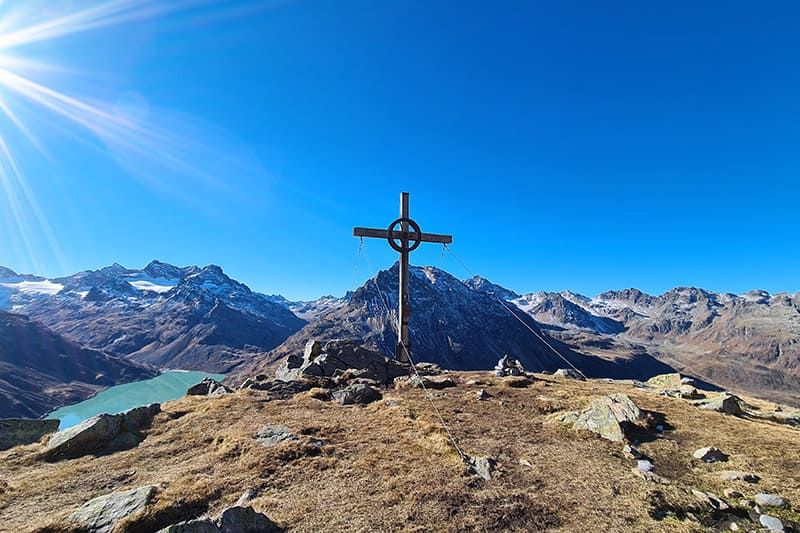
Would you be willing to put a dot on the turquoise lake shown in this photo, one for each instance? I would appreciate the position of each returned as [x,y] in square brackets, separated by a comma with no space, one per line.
[121,398]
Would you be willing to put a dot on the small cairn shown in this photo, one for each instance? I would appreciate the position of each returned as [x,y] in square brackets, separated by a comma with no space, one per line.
[508,367]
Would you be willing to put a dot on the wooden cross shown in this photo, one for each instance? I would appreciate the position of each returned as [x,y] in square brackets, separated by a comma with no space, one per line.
[404,242]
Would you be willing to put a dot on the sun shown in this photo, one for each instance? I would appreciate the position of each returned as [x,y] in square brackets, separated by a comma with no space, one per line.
[153,144]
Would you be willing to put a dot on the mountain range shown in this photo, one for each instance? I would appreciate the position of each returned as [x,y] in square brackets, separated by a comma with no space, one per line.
[201,319]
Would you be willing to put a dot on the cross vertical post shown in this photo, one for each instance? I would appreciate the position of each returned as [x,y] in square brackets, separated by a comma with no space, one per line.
[404,236]
[404,311]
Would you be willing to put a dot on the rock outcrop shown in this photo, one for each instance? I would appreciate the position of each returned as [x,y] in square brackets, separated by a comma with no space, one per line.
[208,387]
[19,431]
[333,358]
[234,519]
[101,514]
[100,434]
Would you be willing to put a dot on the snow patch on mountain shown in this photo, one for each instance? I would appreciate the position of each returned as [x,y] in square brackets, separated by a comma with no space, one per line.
[45,287]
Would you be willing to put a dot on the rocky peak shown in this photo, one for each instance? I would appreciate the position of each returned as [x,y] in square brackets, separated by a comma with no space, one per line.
[482,284]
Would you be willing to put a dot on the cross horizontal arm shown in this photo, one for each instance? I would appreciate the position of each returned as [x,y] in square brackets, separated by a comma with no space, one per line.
[384,234]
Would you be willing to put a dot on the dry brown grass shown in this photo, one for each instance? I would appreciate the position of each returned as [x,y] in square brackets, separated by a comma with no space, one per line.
[390,467]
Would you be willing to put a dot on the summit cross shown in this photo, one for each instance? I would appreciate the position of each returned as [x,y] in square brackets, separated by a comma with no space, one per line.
[404,236]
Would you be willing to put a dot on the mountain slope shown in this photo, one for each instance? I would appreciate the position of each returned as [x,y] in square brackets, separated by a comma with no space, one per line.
[451,324]
[191,318]
[40,370]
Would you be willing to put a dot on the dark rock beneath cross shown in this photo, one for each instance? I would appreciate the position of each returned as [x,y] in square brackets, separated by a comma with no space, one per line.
[357,394]
[334,358]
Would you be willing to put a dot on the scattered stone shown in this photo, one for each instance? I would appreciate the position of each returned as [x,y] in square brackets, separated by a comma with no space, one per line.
[483,395]
[101,433]
[659,428]
[685,392]
[771,523]
[283,390]
[569,373]
[481,466]
[274,434]
[20,431]
[608,416]
[711,499]
[632,452]
[769,500]
[208,387]
[428,369]
[525,462]
[733,526]
[687,381]
[318,393]
[508,367]
[650,476]
[101,514]
[710,455]
[420,382]
[357,394]
[736,475]
[732,493]
[644,465]
[337,356]
[724,403]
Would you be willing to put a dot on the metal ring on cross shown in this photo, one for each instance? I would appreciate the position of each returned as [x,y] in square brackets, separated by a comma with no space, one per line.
[414,239]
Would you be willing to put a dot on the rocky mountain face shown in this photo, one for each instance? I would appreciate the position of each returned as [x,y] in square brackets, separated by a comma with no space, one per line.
[749,342]
[191,318]
[40,370]
[451,324]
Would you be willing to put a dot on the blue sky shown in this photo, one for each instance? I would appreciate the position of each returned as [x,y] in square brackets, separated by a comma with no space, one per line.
[565,145]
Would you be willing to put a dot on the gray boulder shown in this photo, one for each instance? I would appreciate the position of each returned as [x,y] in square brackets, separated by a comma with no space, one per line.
[336,357]
[609,416]
[101,433]
[239,519]
[208,387]
[357,394]
[736,475]
[771,523]
[424,382]
[710,455]
[481,466]
[724,403]
[101,514]
[569,373]
[19,431]
[234,519]
[769,500]
[711,499]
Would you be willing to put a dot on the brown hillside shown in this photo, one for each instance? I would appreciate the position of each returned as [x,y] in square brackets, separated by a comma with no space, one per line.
[389,467]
